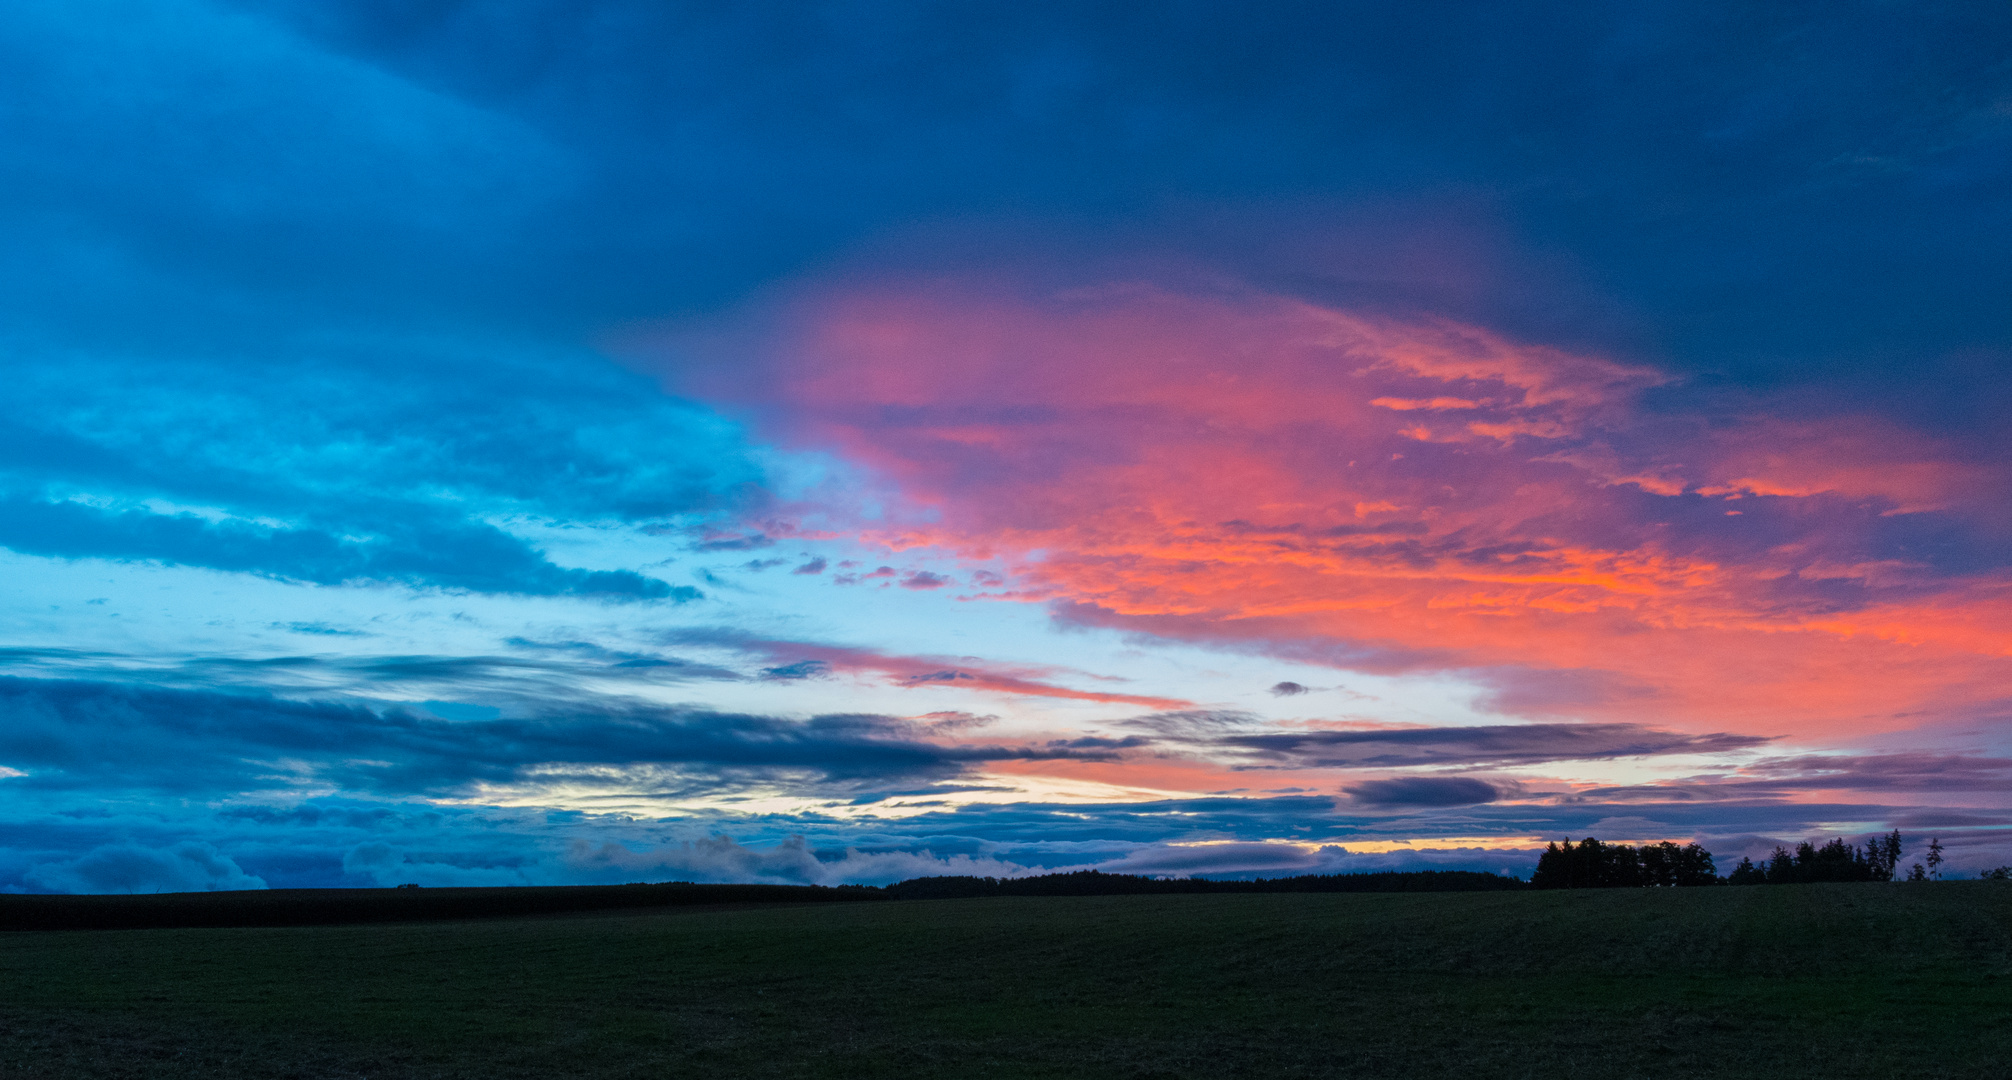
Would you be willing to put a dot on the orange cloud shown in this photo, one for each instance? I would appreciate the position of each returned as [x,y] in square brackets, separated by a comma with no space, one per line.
[1858,458]
[1408,404]
[1253,470]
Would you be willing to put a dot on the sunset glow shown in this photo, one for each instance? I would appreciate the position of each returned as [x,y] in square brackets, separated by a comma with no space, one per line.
[1048,446]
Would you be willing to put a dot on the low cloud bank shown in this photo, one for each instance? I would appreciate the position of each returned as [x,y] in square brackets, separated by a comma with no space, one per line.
[712,859]
[722,859]
[129,868]
[1254,860]
[355,843]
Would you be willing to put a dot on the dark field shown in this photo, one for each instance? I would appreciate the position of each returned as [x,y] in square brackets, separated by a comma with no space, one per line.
[1782,981]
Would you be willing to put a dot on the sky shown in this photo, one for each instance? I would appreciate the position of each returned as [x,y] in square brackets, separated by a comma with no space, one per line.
[540,442]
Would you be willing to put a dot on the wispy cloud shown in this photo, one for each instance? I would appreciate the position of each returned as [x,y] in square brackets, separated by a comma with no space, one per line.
[1386,747]
[801,659]
[1871,774]
[81,736]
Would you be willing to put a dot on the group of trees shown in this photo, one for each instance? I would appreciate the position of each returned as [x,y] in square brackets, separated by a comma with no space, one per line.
[1878,860]
[1591,864]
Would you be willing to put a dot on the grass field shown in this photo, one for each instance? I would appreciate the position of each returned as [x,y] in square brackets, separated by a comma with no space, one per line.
[1826,981]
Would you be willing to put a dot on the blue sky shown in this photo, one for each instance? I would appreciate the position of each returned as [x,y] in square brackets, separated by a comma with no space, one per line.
[559,442]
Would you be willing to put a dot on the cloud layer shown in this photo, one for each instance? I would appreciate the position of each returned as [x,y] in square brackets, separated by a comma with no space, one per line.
[545,442]
[1252,470]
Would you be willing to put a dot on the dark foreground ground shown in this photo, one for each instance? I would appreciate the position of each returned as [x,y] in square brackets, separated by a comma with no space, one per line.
[1825,981]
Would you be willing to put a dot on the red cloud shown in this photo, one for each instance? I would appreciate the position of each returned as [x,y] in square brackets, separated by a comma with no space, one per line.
[1372,492]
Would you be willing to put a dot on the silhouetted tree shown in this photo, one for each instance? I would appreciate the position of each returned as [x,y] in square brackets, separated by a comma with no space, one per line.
[1935,859]
[1996,873]
[1781,867]
[1556,868]
[1835,860]
[1623,867]
[1591,864]
[1746,873]
[1882,855]
[1695,866]
[1659,868]
[1569,866]
[1668,864]
[1917,874]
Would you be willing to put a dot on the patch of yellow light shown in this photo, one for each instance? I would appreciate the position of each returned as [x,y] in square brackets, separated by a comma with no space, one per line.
[1018,788]
[1381,847]
[623,792]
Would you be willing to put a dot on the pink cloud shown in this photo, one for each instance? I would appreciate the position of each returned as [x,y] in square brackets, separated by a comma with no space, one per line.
[1260,471]
[797,660]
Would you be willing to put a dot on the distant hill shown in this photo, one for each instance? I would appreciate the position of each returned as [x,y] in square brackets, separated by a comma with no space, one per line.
[328,907]
[1094,883]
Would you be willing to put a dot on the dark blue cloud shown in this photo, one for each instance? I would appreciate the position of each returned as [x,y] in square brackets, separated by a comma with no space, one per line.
[190,866]
[1482,745]
[1789,776]
[527,681]
[1410,747]
[451,555]
[1788,197]
[1784,196]
[802,669]
[79,736]
[179,171]
[1423,791]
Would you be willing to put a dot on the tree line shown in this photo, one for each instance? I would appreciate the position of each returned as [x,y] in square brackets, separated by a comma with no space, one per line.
[1878,860]
[1590,864]
[329,907]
